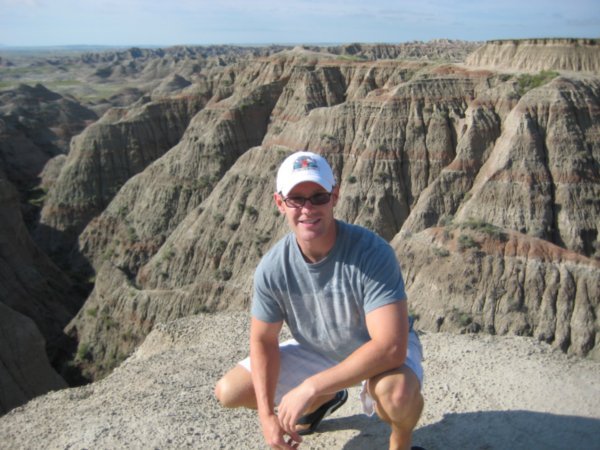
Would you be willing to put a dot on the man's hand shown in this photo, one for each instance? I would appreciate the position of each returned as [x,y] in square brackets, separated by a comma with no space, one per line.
[293,406]
[275,435]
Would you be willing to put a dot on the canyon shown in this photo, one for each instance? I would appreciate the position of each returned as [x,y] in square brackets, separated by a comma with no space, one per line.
[478,162]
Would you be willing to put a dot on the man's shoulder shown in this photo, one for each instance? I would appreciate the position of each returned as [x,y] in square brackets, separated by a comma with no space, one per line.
[279,250]
[358,235]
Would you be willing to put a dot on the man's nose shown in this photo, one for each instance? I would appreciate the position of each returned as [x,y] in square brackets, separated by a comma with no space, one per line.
[308,205]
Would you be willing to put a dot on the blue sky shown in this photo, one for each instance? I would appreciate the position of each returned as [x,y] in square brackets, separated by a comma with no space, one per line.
[174,22]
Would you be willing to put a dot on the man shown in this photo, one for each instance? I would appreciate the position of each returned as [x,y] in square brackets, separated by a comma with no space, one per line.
[339,289]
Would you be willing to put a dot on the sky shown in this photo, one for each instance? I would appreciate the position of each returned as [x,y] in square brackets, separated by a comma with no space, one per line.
[204,22]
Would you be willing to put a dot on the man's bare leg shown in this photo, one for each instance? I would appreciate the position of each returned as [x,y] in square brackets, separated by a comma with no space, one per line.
[399,403]
[235,390]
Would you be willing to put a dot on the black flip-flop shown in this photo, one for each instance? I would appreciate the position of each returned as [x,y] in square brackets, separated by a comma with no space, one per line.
[314,418]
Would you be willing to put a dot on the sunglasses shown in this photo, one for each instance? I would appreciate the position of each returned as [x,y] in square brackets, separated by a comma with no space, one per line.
[316,200]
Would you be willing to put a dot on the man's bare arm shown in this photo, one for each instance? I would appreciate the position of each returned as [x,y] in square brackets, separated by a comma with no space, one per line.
[388,328]
[264,359]
[265,364]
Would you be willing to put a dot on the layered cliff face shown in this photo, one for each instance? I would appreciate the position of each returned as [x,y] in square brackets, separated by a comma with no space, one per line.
[472,276]
[44,117]
[538,187]
[112,150]
[107,79]
[413,145]
[30,283]
[36,302]
[578,55]
[36,125]
[543,175]
[437,49]
[487,188]
[25,371]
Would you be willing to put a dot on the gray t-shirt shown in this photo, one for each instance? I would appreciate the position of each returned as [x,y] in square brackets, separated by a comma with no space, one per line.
[324,304]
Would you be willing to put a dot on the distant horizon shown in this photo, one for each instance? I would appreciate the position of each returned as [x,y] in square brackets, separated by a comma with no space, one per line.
[258,44]
[159,24]
[233,44]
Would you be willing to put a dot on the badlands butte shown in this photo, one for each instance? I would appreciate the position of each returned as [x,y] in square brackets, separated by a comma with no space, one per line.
[136,189]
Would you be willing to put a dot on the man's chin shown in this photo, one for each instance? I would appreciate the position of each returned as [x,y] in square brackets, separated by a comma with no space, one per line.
[308,234]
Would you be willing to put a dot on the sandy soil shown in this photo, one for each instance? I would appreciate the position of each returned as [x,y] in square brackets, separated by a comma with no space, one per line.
[481,392]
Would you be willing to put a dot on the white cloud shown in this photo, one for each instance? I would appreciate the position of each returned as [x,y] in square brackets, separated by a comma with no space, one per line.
[160,21]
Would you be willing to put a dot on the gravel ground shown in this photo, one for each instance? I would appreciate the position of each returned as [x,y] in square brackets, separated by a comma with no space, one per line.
[481,392]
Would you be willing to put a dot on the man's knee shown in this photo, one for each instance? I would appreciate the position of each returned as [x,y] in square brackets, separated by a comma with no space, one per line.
[235,389]
[399,393]
[221,393]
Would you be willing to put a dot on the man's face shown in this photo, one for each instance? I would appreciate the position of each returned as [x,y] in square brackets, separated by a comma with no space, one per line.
[310,223]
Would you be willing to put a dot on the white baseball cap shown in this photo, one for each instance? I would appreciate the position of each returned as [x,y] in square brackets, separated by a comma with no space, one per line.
[304,166]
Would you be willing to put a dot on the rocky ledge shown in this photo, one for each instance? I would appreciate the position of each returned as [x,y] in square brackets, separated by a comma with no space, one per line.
[481,392]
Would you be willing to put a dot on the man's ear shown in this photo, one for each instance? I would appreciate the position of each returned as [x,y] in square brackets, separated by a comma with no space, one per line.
[279,202]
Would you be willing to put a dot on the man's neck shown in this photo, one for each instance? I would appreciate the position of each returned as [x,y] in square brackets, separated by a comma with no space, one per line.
[315,251]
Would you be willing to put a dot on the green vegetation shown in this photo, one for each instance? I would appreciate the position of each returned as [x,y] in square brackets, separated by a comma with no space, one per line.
[84,352]
[37,196]
[487,228]
[441,252]
[461,317]
[352,58]
[446,221]
[109,252]
[328,137]
[465,241]
[480,226]
[132,234]
[103,72]
[252,211]
[219,248]
[414,314]
[528,82]
[129,336]
[223,274]
[203,182]
[167,254]
[381,177]
[259,241]
[113,360]
[6,85]
[202,309]
[107,321]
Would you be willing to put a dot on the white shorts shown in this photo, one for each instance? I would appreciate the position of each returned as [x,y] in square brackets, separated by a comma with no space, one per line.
[299,363]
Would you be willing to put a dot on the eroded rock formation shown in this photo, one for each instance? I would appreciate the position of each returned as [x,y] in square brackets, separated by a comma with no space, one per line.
[476,277]
[25,371]
[487,187]
[578,55]
[413,145]
[111,151]
[36,302]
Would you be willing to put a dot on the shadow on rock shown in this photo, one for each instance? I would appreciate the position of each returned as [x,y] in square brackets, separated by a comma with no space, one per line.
[489,430]
[373,432]
[515,430]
